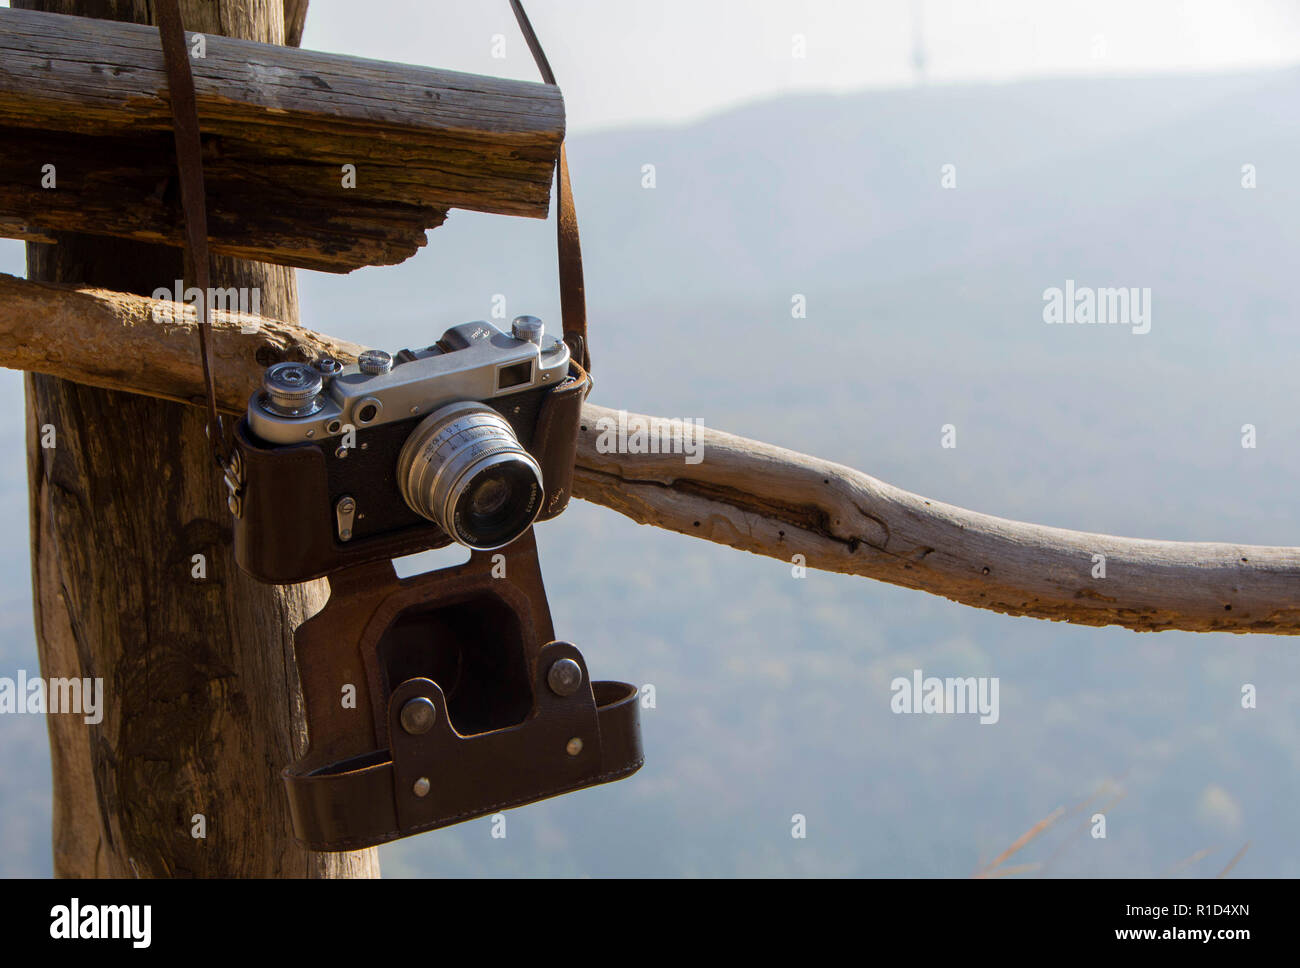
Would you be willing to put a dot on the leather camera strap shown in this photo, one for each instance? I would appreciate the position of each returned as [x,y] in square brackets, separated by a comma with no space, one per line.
[189,160]
[573,299]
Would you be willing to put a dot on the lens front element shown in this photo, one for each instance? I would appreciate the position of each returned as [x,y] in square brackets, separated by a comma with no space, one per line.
[464,469]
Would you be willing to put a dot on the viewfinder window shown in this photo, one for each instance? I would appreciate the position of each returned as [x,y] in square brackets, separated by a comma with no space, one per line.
[515,375]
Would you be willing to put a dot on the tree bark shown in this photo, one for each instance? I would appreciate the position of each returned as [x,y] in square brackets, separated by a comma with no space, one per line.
[202,705]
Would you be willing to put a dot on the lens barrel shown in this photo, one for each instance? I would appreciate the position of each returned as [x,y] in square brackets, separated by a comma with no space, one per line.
[464,469]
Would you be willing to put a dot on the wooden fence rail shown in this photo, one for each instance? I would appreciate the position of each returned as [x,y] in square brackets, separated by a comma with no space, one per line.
[742,493]
[88,99]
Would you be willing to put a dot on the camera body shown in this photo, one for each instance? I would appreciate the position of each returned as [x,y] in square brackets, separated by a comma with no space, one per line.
[471,440]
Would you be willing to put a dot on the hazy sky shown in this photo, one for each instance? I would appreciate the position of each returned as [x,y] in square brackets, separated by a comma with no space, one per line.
[635,61]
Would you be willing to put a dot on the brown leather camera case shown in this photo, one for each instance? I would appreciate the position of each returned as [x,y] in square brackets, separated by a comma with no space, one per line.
[480,649]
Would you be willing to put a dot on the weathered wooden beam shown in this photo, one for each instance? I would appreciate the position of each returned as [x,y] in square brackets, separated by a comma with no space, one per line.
[279,125]
[743,493]
[121,341]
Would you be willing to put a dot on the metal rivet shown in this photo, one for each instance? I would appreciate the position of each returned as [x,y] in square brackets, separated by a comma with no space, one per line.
[341,451]
[421,787]
[418,716]
[564,677]
[574,746]
[311,433]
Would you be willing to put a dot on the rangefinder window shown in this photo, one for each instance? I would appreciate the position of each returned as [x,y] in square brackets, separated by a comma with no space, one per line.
[516,375]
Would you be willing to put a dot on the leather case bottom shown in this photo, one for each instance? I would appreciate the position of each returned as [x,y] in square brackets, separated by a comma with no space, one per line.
[371,799]
[470,646]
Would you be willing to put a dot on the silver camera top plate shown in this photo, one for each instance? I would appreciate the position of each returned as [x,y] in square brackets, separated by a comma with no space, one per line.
[472,361]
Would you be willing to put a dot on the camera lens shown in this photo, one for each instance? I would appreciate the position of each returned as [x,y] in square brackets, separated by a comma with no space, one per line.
[464,469]
[489,496]
[500,503]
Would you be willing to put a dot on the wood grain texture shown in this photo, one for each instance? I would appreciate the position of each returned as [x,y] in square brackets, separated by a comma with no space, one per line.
[122,341]
[278,125]
[295,18]
[777,502]
[202,705]
[743,493]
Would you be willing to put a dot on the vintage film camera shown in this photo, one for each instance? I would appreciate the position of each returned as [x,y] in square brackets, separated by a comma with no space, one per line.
[461,701]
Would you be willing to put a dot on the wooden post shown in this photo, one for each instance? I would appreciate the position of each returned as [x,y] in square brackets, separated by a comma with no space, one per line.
[201,699]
